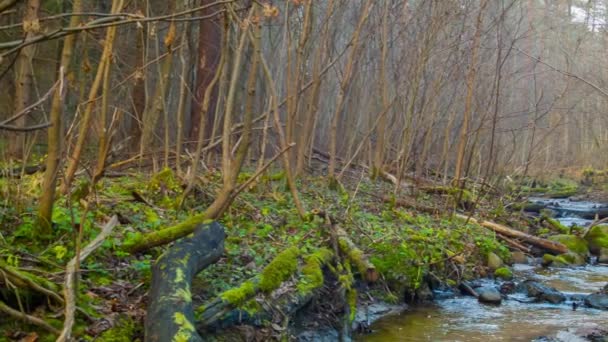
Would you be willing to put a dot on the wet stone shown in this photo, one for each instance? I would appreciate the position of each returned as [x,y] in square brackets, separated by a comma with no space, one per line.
[489,295]
[597,301]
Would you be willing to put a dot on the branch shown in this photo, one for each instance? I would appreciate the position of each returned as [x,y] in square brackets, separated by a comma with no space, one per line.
[69,289]
[27,318]
[16,45]
[31,107]
[565,73]
[25,129]
[6,4]
[261,170]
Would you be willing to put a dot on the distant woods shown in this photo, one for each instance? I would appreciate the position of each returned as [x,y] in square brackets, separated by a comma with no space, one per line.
[457,89]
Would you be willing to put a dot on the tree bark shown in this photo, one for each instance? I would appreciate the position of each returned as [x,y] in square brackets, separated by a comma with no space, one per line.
[209,53]
[55,133]
[24,77]
[170,316]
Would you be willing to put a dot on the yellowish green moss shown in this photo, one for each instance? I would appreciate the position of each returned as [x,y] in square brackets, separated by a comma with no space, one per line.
[186,328]
[597,238]
[503,273]
[557,225]
[238,295]
[351,300]
[184,294]
[122,331]
[280,269]
[355,255]
[312,272]
[574,243]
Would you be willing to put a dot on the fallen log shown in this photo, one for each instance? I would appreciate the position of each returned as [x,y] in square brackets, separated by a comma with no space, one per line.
[548,245]
[281,268]
[366,269]
[227,309]
[402,202]
[170,316]
[514,244]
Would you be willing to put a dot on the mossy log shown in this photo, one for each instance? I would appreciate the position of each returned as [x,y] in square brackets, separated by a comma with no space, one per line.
[402,202]
[548,245]
[170,316]
[554,224]
[366,269]
[231,307]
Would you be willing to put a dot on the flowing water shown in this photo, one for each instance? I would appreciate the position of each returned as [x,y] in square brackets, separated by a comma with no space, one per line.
[464,319]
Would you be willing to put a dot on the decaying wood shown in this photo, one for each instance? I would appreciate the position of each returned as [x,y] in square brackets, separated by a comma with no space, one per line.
[69,291]
[514,244]
[170,316]
[405,203]
[219,307]
[356,256]
[548,245]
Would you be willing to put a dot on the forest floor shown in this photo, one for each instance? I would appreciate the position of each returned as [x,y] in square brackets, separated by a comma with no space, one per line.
[406,246]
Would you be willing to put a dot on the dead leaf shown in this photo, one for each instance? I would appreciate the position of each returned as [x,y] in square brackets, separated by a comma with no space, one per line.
[31,337]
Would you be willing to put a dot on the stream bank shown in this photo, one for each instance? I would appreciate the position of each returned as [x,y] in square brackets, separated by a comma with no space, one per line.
[565,304]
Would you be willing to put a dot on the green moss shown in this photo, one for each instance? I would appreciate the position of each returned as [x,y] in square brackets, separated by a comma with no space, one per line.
[312,272]
[548,259]
[280,269]
[355,255]
[351,300]
[239,295]
[574,243]
[123,331]
[251,307]
[186,328]
[597,237]
[557,225]
[503,273]
[569,259]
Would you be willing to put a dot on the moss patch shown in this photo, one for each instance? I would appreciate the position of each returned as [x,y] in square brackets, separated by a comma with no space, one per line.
[597,238]
[280,269]
[239,295]
[503,273]
[574,243]
[557,225]
[123,331]
[312,272]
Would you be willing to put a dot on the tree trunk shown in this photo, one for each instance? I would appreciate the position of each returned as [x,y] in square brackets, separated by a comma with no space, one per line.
[55,132]
[87,117]
[471,75]
[209,53]
[24,77]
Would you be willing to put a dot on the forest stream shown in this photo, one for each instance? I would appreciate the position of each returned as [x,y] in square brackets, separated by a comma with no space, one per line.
[463,318]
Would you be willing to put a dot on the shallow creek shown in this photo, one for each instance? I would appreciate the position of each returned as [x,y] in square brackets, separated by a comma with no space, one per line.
[464,319]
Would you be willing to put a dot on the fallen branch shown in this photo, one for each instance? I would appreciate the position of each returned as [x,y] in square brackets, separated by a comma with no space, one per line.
[551,246]
[402,202]
[514,244]
[27,318]
[69,290]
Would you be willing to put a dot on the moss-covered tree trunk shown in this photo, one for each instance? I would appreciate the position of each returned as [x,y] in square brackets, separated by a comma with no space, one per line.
[170,316]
